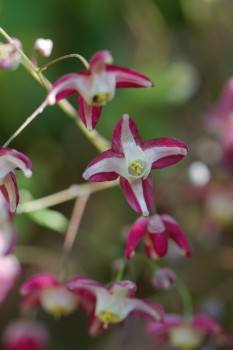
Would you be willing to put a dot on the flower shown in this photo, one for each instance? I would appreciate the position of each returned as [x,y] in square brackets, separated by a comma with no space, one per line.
[155,232]
[9,56]
[96,86]
[43,47]
[52,295]
[9,272]
[220,121]
[132,160]
[11,159]
[163,279]
[113,304]
[25,335]
[184,335]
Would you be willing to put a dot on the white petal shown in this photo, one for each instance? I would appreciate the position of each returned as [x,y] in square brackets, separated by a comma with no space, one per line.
[139,194]
[156,153]
[112,164]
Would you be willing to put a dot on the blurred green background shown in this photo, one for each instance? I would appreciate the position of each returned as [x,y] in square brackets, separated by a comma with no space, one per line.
[186,48]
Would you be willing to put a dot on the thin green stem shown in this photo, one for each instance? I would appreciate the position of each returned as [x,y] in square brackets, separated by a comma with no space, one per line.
[81,58]
[120,273]
[186,299]
[38,111]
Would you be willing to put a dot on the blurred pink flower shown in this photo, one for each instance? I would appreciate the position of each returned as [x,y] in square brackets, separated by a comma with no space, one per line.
[9,272]
[155,231]
[96,86]
[132,161]
[47,291]
[9,57]
[163,279]
[11,159]
[25,335]
[8,235]
[192,334]
[113,304]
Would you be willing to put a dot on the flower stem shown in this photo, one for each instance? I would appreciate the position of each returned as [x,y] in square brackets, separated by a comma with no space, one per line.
[27,121]
[63,196]
[72,231]
[81,58]
[186,298]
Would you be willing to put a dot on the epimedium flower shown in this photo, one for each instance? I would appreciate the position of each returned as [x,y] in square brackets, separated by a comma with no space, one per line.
[113,304]
[155,231]
[96,86]
[192,334]
[9,57]
[132,161]
[10,160]
[8,234]
[25,335]
[46,291]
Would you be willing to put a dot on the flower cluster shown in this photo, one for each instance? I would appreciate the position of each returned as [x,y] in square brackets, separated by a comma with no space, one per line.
[130,160]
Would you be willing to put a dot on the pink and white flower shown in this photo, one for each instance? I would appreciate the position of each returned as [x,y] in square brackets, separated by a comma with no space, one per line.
[113,304]
[9,272]
[182,334]
[43,46]
[8,235]
[47,291]
[155,232]
[132,161]
[25,335]
[9,56]
[11,159]
[96,86]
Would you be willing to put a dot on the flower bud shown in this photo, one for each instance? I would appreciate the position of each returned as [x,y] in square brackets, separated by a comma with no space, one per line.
[43,47]
[163,279]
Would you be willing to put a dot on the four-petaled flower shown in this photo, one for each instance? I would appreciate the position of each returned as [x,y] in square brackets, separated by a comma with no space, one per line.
[47,291]
[11,159]
[182,334]
[155,232]
[113,304]
[132,160]
[96,86]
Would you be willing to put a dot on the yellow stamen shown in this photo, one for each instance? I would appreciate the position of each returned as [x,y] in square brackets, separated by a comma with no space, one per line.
[100,99]
[108,317]
[137,168]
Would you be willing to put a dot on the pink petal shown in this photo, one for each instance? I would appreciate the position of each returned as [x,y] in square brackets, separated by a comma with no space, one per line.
[176,234]
[37,282]
[126,78]
[164,151]
[105,167]
[10,191]
[160,243]
[205,322]
[136,232]
[169,321]
[128,286]
[146,310]
[26,163]
[100,60]
[9,272]
[118,131]
[81,285]
[89,114]
[95,326]
[139,194]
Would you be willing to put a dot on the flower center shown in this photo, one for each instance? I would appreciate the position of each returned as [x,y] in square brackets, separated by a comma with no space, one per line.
[137,168]
[108,317]
[100,99]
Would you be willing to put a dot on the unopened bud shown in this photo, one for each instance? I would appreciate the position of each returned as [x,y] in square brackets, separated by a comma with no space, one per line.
[163,279]
[43,47]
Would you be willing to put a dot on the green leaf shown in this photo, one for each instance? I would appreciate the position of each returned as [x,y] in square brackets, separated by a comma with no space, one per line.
[50,219]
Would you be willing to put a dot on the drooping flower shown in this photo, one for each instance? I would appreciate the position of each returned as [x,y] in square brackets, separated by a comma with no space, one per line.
[113,304]
[183,335]
[9,57]
[11,159]
[47,291]
[132,160]
[25,335]
[155,232]
[9,272]
[96,86]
